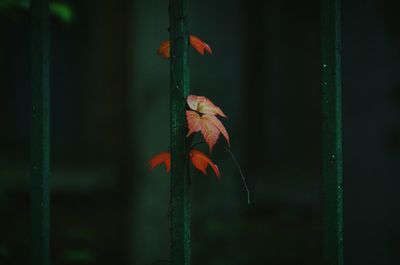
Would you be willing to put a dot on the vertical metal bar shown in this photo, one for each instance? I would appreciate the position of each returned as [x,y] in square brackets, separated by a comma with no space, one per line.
[40,136]
[332,131]
[179,78]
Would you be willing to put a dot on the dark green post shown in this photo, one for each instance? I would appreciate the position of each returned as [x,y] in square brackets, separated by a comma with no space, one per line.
[40,136]
[179,78]
[332,131]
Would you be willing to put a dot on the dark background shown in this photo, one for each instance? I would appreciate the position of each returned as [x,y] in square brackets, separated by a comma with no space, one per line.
[110,102]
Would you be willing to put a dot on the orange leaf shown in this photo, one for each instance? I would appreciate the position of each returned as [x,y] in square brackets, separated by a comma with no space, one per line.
[200,161]
[203,105]
[209,126]
[199,45]
[165,48]
[194,122]
[218,124]
[163,157]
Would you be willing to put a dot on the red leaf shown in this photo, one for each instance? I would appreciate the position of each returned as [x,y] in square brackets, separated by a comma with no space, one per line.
[163,157]
[217,124]
[203,105]
[198,45]
[200,123]
[194,122]
[209,125]
[164,49]
[200,161]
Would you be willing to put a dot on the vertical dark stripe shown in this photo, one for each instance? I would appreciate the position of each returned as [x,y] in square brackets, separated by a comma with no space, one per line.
[255,82]
[179,78]
[40,136]
[332,131]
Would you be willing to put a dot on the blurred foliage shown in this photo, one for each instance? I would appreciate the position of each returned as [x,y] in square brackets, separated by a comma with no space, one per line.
[60,10]
[4,251]
[79,256]
[84,233]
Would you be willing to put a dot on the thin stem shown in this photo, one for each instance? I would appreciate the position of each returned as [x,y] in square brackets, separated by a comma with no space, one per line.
[240,172]
[237,166]
[198,143]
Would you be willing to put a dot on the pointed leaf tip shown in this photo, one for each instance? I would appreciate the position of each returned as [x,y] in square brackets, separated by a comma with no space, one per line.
[200,46]
[163,157]
[164,49]
[201,161]
[209,126]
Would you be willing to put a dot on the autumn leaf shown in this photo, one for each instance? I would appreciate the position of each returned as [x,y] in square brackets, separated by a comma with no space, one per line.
[199,45]
[164,49]
[209,126]
[163,157]
[202,118]
[199,160]
[203,105]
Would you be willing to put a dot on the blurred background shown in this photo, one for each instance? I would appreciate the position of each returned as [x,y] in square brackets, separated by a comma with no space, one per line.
[110,106]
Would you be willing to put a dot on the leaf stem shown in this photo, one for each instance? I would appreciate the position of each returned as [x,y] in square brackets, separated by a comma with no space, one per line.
[240,172]
[193,145]
[237,166]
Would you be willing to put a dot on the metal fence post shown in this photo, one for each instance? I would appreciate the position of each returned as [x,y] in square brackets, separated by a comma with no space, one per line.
[40,132]
[179,78]
[332,131]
